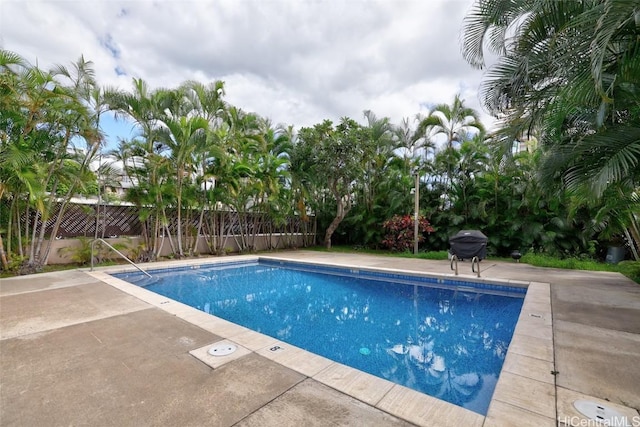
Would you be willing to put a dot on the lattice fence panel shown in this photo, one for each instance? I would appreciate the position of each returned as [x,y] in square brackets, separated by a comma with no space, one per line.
[80,220]
[121,221]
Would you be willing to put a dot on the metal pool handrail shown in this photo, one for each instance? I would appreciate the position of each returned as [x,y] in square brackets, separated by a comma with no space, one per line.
[93,242]
[454,261]
[475,263]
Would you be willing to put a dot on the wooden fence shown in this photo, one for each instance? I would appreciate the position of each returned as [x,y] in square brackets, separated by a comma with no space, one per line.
[81,220]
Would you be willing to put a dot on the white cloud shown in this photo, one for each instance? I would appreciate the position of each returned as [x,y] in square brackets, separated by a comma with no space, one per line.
[295,62]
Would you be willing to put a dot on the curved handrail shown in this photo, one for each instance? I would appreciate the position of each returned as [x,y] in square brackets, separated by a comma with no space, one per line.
[475,261]
[454,259]
[93,242]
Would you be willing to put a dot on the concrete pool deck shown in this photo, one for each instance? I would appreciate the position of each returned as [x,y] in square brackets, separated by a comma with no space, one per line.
[80,348]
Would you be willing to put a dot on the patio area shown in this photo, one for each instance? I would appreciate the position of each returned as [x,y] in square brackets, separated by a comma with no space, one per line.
[81,348]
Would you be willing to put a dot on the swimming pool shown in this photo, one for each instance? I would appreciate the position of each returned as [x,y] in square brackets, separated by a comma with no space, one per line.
[445,339]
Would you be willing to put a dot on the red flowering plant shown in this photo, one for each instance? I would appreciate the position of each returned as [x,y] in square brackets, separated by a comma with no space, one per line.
[399,232]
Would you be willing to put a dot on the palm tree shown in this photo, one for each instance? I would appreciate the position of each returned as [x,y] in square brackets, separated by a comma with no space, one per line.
[46,113]
[206,100]
[19,180]
[455,123]
[184,136]
[378,153]
[148,160]
[304,183]
[272,173]
[472,162]
[410,140]
[15,157]
[382,191]
[82,79]
[78,122]
[570,70]
[243,145]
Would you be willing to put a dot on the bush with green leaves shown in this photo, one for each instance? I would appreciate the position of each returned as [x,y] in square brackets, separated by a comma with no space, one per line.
[80,253]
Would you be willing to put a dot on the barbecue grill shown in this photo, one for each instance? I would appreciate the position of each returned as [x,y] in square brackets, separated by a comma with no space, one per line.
[468,244]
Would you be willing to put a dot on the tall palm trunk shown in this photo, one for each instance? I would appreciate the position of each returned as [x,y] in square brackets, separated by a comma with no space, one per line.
[3,255]
[179,219]
[633,236]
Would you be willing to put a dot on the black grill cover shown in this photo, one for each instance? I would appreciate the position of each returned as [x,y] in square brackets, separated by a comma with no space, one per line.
[469,243]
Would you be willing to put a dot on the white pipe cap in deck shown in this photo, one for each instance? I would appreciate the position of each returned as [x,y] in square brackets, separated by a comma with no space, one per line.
[222,349]
[604,415]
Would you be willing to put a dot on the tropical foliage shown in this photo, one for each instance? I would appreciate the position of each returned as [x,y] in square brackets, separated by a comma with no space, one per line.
[48,135]
[569,72]
[400,230]
[336,159]
[560,175]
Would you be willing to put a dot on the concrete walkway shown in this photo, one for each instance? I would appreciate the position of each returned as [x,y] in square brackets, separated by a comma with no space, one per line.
[75,350]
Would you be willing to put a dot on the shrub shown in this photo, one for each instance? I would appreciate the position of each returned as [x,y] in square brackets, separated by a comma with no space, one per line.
[81,252]
[400,229]
[631,269]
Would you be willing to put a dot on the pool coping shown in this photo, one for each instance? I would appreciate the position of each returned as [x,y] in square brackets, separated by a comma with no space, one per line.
[529,363]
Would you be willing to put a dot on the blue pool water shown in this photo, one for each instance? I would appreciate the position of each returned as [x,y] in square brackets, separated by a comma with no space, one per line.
[445,340]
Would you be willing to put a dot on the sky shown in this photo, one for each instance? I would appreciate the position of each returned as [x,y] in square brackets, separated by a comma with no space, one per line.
[296,62]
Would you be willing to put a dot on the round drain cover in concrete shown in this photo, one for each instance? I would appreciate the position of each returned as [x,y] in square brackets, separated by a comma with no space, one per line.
[222,349]
[601,413]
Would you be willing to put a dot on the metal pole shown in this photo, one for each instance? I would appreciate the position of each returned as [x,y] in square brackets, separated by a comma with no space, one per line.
[416,208]
[116,251]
